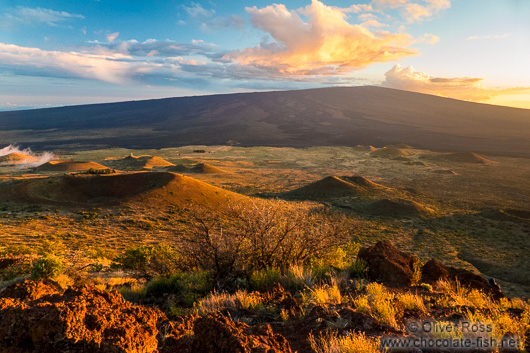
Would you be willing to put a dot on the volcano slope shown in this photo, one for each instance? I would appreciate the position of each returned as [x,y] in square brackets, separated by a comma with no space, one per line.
[149,189]
[133,162]
[69,166]
[17,158]
[338,187]
[338,116]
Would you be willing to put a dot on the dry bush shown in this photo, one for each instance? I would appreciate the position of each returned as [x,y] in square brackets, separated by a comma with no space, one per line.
[260,235]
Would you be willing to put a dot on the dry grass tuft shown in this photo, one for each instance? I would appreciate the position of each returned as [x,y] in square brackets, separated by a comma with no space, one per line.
[220,301]
[351,343]
[326,294]
[379,303]
[411,301]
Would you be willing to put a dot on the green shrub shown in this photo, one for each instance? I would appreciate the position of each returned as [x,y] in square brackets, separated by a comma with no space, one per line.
[358,269]
[148,261]
[52,248]
[261,280]
[48,266]
[185,287]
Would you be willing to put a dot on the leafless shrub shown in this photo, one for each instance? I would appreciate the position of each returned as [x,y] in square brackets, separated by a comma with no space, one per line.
[260,234]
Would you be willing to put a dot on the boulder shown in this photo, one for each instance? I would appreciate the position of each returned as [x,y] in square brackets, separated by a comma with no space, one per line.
[388,265]
[37,316]
[218,334]
[433,271]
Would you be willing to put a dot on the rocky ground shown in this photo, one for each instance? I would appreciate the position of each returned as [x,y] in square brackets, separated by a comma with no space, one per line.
[40,316]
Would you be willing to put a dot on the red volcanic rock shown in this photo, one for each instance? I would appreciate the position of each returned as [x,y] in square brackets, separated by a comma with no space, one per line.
[388,265]
[434,271]
[31,290]
[39,317]
[218,334]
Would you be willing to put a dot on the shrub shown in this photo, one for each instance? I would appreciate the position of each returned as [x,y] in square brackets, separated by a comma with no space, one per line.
[52,247]
[48,266]
[358,269]
[264,279]
[184,288]
[148,261]
[297,278]
[260,235]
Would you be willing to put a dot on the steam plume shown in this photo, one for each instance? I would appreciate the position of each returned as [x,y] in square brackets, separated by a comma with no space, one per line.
[13,155]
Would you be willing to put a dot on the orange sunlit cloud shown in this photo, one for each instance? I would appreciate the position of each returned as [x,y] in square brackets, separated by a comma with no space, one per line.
[465,88]
[326,44]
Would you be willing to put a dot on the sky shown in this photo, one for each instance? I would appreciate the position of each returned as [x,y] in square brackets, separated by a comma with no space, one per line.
[56,53]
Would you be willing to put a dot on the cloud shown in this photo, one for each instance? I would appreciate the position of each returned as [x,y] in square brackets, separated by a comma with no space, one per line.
[28,15]
[153,47]
[109,67]
[228,22]
[465,88]
[412,11]
[196,10]
[427,38]
[324,45]
[112,36]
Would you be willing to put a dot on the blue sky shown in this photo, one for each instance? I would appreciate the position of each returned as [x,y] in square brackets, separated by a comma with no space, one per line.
[55,53]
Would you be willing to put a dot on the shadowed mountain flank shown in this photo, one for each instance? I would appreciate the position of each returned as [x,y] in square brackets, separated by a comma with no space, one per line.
[200,168]
[338,116]
[399,207]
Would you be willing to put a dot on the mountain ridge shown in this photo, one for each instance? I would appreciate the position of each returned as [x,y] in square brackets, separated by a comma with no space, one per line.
[334,116]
